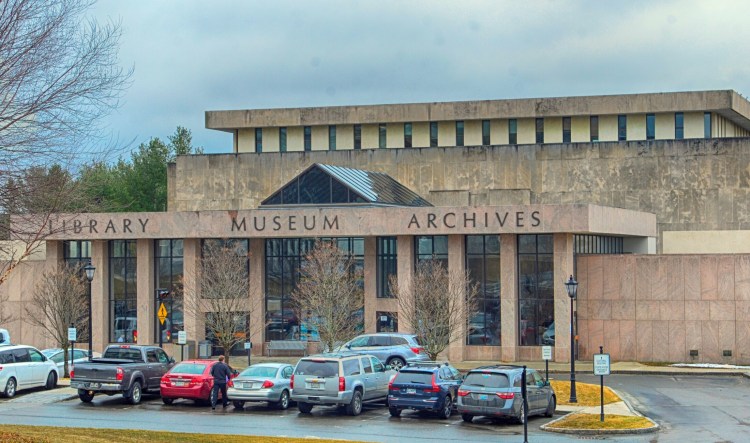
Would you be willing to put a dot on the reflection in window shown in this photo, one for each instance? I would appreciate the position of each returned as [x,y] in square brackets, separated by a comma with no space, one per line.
[540,130]
[483,266]
[332,137]
[282,139]
[77,253]
[536,290]
[387,265]
[241,321]
[706,125]
[486,132]
[407,135]
[382,135]
[313,187]
[650,126]
[357,136]
[433,134]
[513,131]
[594,128]
[284,258]
[307,138]
[459,133]
[566,129]
[169,272]
[386,322]
[429,247]
[679,125]
[258,139]
[622,127]
[123,309]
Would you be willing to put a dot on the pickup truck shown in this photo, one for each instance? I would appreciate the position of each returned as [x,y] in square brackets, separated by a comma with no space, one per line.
[123,369]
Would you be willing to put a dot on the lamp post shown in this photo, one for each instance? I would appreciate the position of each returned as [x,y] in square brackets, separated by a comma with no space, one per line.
[572,287]
[90,269]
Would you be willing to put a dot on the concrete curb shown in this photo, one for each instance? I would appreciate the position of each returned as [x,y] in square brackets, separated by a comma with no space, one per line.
[670,373]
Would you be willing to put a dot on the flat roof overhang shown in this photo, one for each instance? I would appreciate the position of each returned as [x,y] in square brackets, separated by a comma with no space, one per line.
[350,222]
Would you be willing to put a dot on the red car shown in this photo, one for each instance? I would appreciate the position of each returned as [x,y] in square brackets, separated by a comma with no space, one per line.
[189,379]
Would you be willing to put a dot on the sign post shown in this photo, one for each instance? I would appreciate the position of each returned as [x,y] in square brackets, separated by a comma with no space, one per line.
[182,341]
[546,356]
[161,312]
[525,406]
[72,335]
[248,347]
[601,368]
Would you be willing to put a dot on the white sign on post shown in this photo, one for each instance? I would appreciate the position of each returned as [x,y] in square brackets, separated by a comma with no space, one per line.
[601,364]
[181,337]
[546,352]
[248,345]
[72,332]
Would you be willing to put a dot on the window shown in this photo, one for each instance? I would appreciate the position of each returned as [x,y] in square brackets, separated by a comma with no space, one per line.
[258,139]
[282,139]
[387,264]
[332,137]
[407,135]
[622,127]
[594,128]
[35,356]
[485,132]
[313,187]
[513,131]
[366,364]
[535,290]
[650,126]
[77,253]
[540,130]
[308,138]
[382,132]
[123,307]
[432,247]
[433,134]
[706,125]
[679,126]
[357,136]
[566,130]
[151,356]
[597,244]
[168,255]
[388,322]
[351,367]
[483,266]
[459,133]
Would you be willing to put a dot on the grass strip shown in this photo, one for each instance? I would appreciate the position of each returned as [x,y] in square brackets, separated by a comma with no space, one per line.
[587,394]
[611,422]
[51,434]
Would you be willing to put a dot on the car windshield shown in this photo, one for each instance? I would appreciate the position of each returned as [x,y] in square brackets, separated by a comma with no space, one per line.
[417,340]
[486,380]
[259,371]
[123,353]
[320,368]
[49,352]
[188,368]
[408,377]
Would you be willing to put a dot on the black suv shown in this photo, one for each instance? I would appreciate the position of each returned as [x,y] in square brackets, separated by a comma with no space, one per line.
[424,386]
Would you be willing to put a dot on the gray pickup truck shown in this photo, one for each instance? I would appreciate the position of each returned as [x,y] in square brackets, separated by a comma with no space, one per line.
[123,369]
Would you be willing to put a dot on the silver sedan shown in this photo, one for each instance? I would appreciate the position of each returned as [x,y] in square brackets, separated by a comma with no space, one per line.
[262,382]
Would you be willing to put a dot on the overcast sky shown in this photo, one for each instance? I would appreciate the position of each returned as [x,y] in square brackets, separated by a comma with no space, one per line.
[191,56]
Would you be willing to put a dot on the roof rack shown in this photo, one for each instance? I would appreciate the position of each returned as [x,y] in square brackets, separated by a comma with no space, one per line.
[499,366]
[435,364]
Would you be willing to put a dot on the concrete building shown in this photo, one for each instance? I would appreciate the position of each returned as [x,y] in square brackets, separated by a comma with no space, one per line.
[643,198]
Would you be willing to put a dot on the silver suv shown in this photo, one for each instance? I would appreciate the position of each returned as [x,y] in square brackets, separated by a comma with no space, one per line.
[341,379]
[394,349]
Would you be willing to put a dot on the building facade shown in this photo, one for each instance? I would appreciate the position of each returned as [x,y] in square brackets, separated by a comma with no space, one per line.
[642,197]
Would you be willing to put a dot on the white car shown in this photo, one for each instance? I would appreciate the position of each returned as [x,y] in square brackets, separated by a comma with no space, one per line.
[56,355]
[24,367]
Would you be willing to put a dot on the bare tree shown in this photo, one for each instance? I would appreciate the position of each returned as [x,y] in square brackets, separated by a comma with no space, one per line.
[5,316]
[436,304]
[59,301]
[328,296]
[59,75]
[221,294]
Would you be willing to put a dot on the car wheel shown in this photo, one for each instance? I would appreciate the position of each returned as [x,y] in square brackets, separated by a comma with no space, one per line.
[396,363]
[467,417]
[283,402]
[551,406]
[305,408]
[395,412]
[238,404]
[85,396]
[10,388]
[134,394]
[445,413]
[51,381]
[354,407]
[167,400]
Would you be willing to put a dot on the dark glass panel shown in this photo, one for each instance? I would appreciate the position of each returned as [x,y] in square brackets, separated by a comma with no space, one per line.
[475,244]
[545,243]
[314,187]
[339,192]
[526,244]
[290,193]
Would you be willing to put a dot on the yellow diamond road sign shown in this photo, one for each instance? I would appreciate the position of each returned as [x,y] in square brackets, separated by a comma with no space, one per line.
[162,313]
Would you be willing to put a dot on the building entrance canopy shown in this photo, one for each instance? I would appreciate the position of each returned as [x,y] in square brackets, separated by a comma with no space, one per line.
[333,221]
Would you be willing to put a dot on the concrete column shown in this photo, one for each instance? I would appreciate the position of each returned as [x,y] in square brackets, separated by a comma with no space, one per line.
[563,265]
[457,268]
[100,308]
[194,324]
[405,248]
[257,294]
[509,296]
[54,255]
[371,284]
[145,292]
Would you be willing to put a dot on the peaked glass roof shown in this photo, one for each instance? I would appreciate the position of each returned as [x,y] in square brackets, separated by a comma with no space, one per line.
[326,184]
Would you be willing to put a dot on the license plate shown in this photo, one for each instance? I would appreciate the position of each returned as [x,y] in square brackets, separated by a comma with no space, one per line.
[316,386]
[483,397]
[247,385]
[180,383]
[411,391]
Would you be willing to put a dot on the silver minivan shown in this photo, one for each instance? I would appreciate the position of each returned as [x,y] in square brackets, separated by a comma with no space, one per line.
[340,379]
[24,367]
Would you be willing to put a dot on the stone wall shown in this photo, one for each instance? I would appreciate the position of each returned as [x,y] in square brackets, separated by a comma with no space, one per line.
[659,308]
[691,185]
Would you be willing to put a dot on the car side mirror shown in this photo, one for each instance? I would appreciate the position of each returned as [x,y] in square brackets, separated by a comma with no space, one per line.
[348,346]
[171,359]
[235,372]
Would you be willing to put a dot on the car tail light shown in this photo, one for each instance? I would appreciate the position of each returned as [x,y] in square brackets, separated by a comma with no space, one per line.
[125,346]
[506,395]
[119,374]
[291,382]
[165,379]
[267,384]
[434,388]
[342,384]
[390,386]
[230,384]
[416,350]
[463,393]
[71,372]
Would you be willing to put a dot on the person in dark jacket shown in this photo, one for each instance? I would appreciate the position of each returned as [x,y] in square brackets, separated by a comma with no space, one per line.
[221,372]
